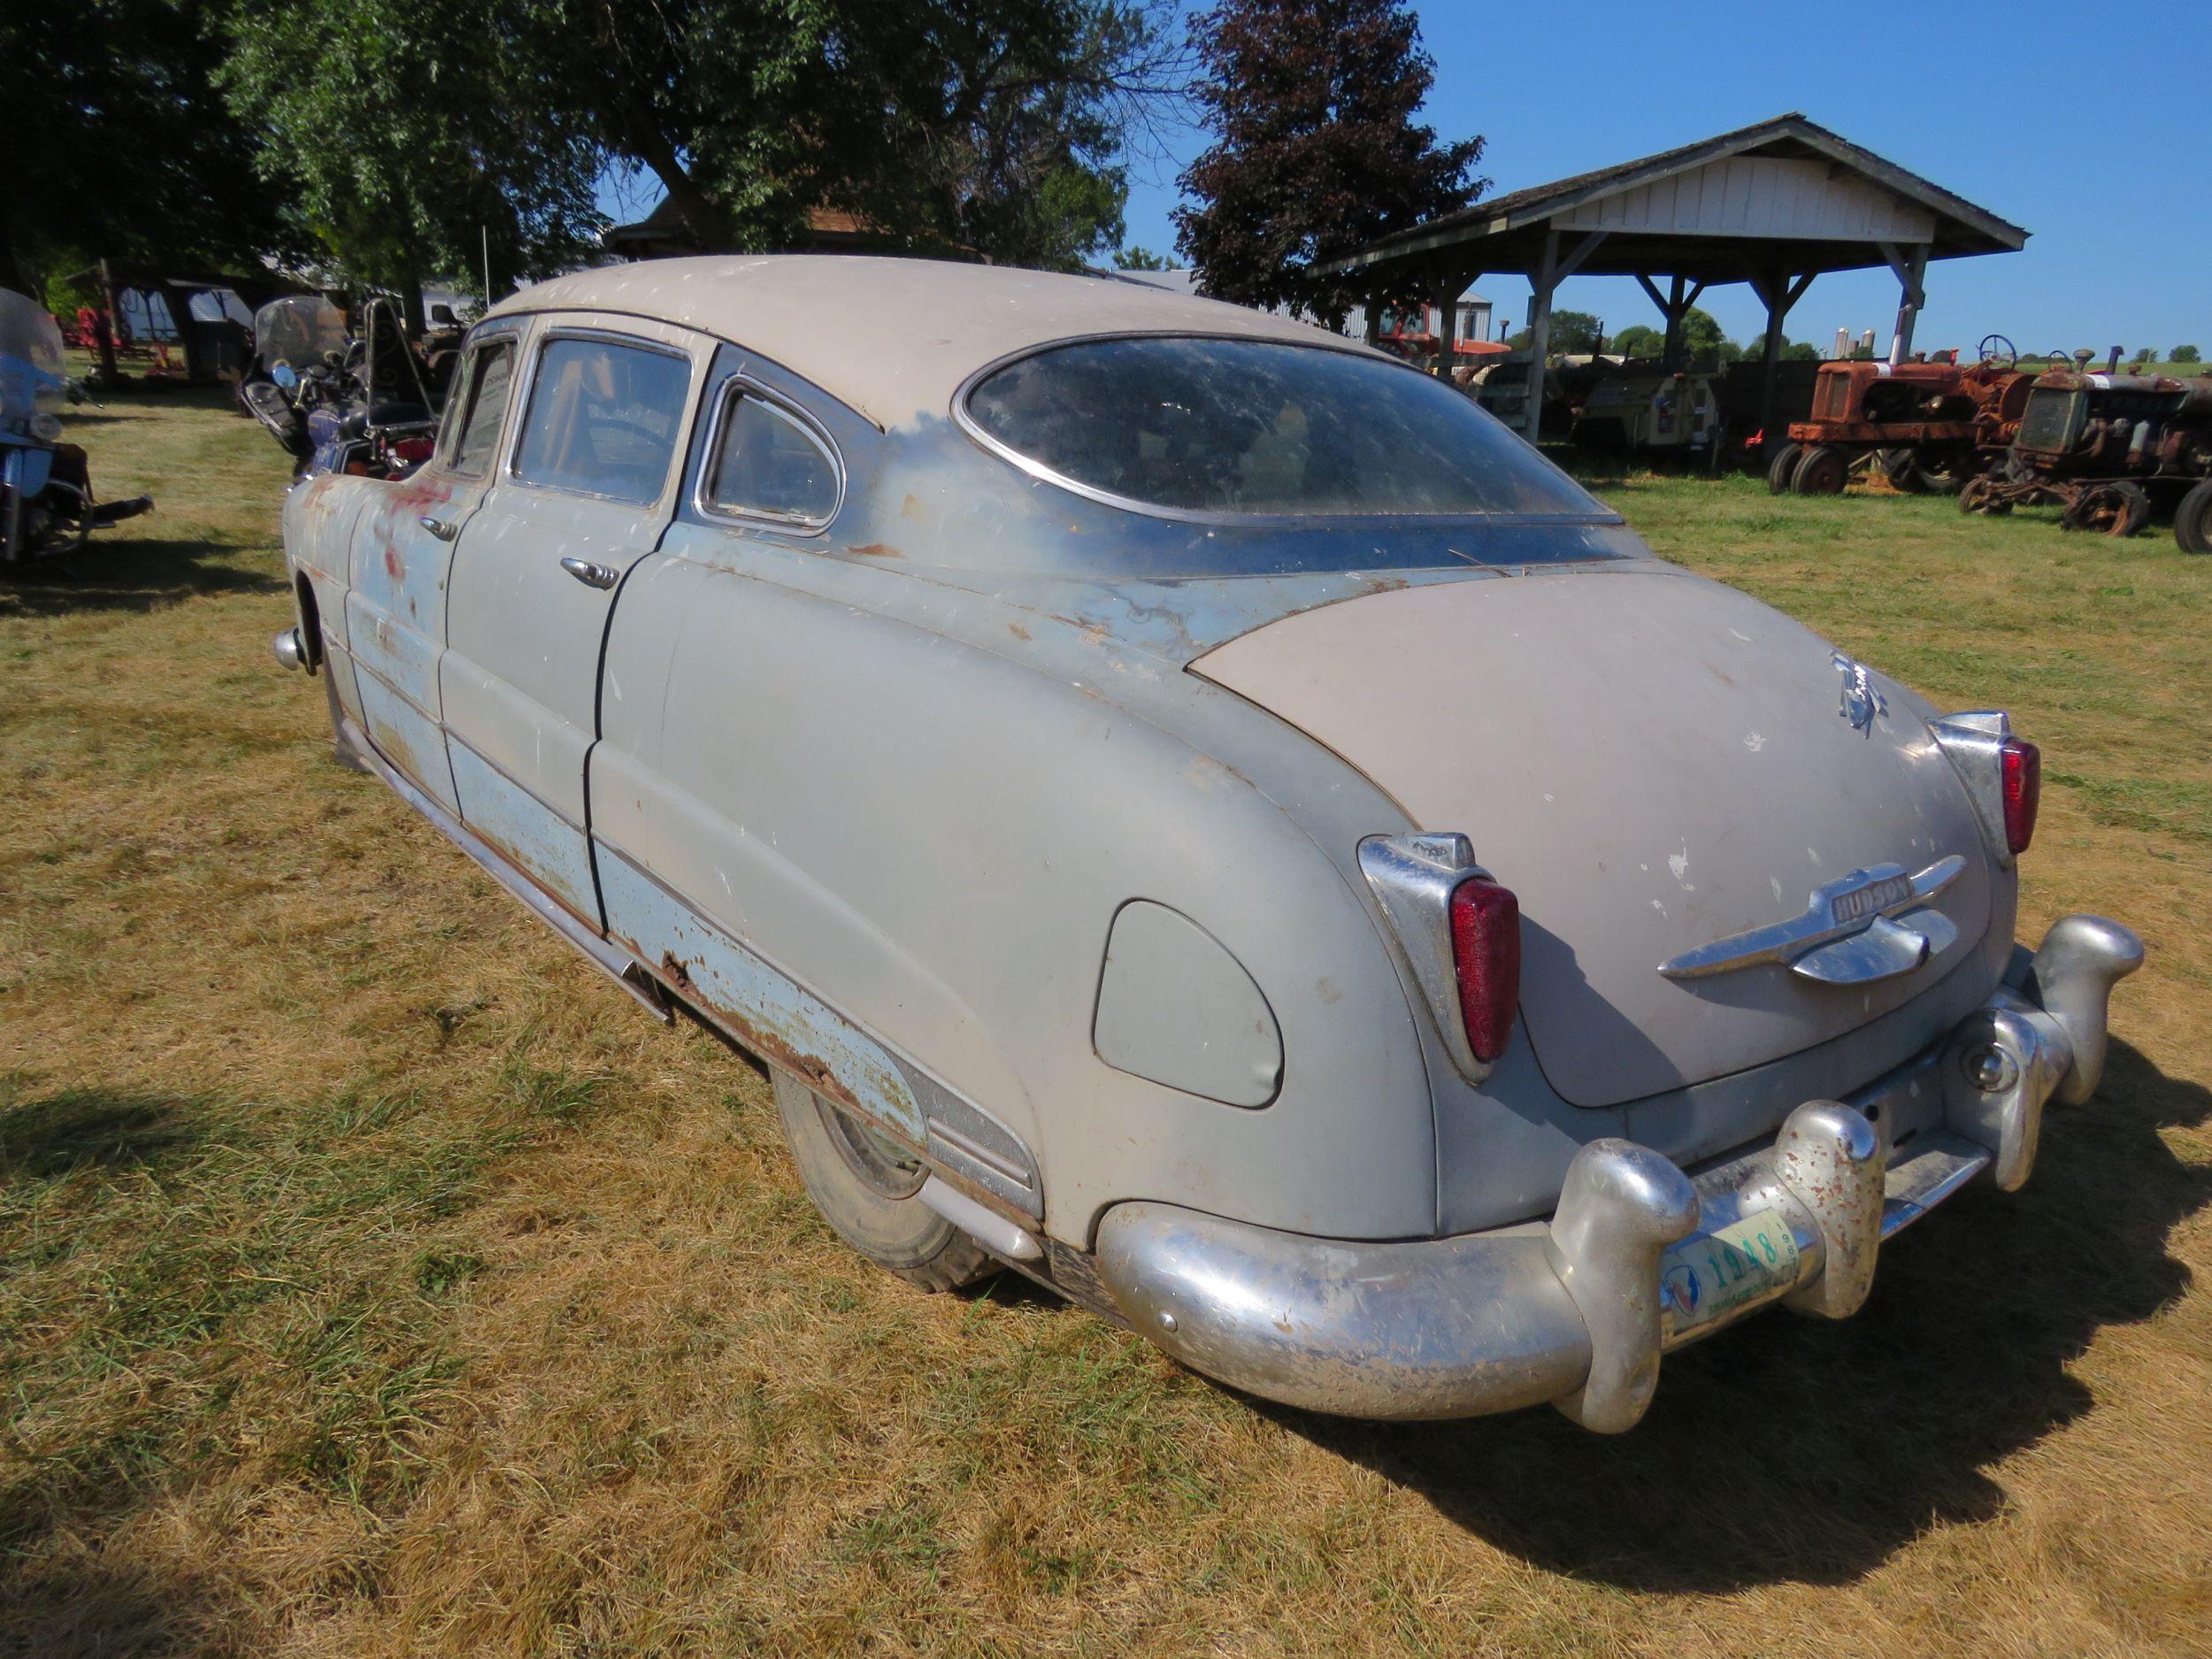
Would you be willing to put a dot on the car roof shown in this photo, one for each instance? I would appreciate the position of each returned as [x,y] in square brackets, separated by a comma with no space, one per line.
[892,338]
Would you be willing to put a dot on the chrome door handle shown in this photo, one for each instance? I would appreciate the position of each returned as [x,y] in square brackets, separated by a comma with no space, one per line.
[439,527]
[590,574]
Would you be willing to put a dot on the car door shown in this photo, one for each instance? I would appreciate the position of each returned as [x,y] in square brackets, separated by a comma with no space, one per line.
[402,543]
[586,486]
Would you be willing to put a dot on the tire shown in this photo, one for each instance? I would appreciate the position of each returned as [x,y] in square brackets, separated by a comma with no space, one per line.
[1822,471]
[2192,519]
[865,1185]
[1902,468]
[1785,463]
[2119,508]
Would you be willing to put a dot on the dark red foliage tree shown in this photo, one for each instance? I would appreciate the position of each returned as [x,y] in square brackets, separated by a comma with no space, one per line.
[1316,152]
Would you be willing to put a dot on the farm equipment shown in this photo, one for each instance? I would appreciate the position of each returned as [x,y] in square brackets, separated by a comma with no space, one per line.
[2110,450]
[1649,410]
[1929,427]
[46,504]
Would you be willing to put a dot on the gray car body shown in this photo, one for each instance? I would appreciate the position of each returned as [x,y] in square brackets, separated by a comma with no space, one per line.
[875,798]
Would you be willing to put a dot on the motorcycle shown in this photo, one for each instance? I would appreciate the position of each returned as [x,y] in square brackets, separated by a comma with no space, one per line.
[337,404]
[46,503]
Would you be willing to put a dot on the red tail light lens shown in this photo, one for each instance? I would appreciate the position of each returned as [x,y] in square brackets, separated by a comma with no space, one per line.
[2023,792]
[1486,952]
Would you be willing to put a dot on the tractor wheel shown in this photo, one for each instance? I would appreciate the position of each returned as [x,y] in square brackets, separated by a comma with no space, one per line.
[866,1184]
[1785,463]
[2116,509]
[1981,497]
[2192,519]
[1902,468]
[1822,471]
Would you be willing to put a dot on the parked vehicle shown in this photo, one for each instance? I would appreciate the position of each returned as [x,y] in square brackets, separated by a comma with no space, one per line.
[337,404]
[1648,409]
[1192,809]
[1928,426]
[46,503]
[2112,451]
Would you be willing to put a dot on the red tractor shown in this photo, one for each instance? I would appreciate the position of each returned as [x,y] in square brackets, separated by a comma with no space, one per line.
[1928,426]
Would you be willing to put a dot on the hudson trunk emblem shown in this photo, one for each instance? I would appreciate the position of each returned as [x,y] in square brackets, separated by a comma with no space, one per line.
[1861,702]
[1845,935]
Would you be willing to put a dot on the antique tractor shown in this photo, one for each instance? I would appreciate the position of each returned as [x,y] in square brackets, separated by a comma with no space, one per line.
[2111,451]
[1929,427]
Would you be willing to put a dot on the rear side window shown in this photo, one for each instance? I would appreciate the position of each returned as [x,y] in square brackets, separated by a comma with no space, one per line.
[603,419]
[1261,428]
[769,464]
[482,407]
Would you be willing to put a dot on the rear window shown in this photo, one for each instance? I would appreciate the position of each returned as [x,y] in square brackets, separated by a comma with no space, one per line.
[603,419]
[1255,428]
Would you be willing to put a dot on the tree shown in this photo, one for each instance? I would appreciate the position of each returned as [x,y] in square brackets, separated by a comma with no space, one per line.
[1572,333]
[989,127]
[118,147]
[410,136]
[2184,353]
[1140,259]
[1316,150]
[1638,340]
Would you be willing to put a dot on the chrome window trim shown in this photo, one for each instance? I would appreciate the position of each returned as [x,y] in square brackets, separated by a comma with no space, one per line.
[508,335]
[740,384]
[963,417]
[511,473]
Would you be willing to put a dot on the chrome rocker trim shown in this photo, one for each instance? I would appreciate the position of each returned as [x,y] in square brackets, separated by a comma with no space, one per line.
[1640,1256]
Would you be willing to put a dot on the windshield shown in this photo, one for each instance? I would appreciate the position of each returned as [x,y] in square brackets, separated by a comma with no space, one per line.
[1262,429]
[298,331]
[30,360]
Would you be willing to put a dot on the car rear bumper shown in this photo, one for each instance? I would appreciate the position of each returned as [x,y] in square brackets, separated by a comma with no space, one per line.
[1640,1256]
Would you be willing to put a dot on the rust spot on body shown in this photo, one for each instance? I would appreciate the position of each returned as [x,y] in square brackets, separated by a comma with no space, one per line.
[1018,631]
[876,550]
[912,507]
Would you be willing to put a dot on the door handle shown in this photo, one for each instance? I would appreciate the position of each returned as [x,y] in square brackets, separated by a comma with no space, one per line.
[590,574]
[439,527]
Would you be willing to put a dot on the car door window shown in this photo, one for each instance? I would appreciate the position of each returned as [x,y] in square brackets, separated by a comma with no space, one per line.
[483,408]
[770,463]
[603,419]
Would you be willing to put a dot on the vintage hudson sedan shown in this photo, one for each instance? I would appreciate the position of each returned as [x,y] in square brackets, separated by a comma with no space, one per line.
[1193,809]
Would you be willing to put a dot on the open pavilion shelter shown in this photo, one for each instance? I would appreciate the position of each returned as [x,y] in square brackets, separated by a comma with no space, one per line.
[1773,205]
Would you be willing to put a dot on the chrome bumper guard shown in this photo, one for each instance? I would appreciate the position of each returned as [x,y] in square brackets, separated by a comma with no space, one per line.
[1639,1256]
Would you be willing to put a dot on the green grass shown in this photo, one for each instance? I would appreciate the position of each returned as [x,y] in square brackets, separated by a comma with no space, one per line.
[373,1281]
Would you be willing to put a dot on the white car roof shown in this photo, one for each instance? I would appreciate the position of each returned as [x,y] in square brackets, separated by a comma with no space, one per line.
[892,338]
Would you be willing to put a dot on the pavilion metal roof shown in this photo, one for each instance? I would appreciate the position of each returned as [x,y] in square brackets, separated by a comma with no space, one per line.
[1508,233]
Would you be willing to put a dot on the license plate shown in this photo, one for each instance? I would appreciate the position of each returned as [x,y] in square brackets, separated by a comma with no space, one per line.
[1714,1273]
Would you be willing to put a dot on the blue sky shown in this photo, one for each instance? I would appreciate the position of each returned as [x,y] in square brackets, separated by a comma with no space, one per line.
[2085,122]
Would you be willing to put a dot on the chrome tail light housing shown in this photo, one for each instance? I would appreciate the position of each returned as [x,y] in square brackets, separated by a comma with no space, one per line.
[2003,775]
[1459,934]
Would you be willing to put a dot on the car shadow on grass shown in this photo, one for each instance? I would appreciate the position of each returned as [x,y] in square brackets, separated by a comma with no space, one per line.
[126,573]
[87,1609]
[1795,1450]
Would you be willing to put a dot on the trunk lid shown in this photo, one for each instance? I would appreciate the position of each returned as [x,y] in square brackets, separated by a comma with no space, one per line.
[1653,763]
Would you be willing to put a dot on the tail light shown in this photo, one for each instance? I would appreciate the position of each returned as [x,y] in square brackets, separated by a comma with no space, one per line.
[1458,932]
[1486,957]
[2003,775]
[2023,772]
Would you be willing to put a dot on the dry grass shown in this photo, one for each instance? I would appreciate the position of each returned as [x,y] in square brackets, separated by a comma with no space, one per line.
[373,1281]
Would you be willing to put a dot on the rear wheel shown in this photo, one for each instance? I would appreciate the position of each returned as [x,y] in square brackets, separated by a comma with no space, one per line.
[2117,509]
[866,1186]
[1822,471]
[1902,468]
[2192,519]
[1785,463]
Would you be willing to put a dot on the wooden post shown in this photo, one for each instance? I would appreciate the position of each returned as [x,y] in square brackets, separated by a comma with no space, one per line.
[1910,272]
[1540,338]
[1447,309]
[1780,294]
[1374,320]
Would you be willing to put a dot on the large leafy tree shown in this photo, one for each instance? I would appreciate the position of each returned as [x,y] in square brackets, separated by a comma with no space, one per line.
[411,134]
[1316,148]
[118,146]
